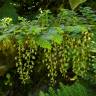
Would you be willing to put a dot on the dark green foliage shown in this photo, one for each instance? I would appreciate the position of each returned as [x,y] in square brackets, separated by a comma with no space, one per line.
[8,10]
[30,8]
[73,90]
[49,48]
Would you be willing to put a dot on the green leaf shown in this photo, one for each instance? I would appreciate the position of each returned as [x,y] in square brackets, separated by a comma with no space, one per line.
[41,93]
[35,29]
[75,29]
[20,38]
[2,37]
[76,3]
[12,29]
[52,91]
[42,42]
[57,38]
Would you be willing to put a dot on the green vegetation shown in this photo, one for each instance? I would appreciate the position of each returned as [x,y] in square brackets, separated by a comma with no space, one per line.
[41,46]
[15,8]
[74,90]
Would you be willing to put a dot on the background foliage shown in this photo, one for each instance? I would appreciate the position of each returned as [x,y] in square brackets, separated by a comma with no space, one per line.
[13,8]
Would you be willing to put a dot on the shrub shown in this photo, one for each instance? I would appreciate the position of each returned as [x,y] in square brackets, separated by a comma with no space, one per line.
[56,45]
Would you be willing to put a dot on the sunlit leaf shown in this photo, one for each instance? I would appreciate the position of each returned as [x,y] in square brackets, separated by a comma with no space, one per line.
[75,3]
